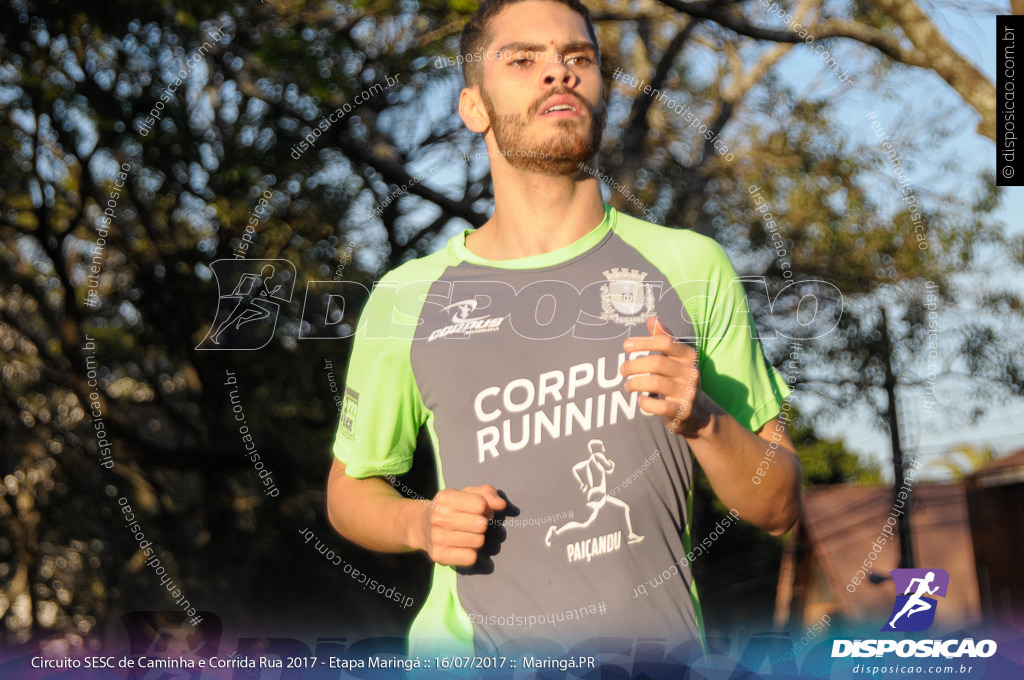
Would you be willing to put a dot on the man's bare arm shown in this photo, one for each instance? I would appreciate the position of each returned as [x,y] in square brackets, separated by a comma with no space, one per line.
[728,452]
[371,513]
[390,527]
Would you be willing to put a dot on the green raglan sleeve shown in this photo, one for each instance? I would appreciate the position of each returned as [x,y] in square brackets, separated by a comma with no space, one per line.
[734,371]
[382,409]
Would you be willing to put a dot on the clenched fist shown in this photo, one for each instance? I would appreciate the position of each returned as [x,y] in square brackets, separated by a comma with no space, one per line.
[454,524]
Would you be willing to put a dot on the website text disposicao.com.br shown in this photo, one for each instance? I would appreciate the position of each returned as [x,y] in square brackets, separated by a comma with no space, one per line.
[950,656]
[909,670]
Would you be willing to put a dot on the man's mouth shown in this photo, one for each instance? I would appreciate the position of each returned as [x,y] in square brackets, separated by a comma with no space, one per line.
[561,106]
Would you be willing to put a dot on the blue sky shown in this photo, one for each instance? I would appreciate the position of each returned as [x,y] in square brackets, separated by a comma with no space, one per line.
[975,38]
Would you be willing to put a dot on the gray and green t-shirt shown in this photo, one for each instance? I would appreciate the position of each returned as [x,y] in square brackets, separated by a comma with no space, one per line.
[513,368]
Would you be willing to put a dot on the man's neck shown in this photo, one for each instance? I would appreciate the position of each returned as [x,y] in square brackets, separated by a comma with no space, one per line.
[536,214]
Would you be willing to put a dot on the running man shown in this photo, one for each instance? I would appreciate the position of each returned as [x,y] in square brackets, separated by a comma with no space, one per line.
[580,315]
[248,310]
[916,604]
[597,466]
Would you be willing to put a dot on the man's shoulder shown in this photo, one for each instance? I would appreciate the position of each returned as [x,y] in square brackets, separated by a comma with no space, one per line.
[397,297]
[427,268]
[678,249]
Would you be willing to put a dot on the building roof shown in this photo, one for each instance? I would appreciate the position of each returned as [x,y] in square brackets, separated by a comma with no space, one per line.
[1006,470]
[844,525]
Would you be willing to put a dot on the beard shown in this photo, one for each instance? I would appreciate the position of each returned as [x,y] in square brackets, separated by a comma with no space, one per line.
[557,156]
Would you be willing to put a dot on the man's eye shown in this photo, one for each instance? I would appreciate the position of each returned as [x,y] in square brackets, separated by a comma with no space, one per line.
[523,61]
[579,59]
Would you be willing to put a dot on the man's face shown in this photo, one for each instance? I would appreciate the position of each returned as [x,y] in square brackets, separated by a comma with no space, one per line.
[542,88]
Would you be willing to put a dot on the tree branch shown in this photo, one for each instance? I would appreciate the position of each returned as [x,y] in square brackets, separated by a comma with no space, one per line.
[929,48]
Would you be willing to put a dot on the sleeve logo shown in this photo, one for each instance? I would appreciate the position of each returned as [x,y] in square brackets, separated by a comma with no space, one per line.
[349,407]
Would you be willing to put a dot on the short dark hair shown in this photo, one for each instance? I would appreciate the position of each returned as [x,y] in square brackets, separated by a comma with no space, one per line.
[477,33]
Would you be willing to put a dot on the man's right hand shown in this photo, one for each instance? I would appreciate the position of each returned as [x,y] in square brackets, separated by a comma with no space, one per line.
[454,524]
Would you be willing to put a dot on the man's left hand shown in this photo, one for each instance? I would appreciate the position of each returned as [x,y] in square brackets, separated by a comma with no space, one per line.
[670,371]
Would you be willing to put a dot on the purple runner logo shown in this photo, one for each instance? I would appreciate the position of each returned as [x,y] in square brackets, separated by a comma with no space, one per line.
[914,610]
[247,315]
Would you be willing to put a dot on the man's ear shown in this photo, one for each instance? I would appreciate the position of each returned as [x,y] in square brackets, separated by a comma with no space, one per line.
[472,110]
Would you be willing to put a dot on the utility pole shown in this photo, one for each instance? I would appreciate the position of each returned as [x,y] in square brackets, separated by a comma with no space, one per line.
[903,523]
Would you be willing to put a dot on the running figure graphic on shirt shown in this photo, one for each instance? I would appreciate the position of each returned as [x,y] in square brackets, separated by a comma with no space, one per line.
[592,474]
[915,603]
